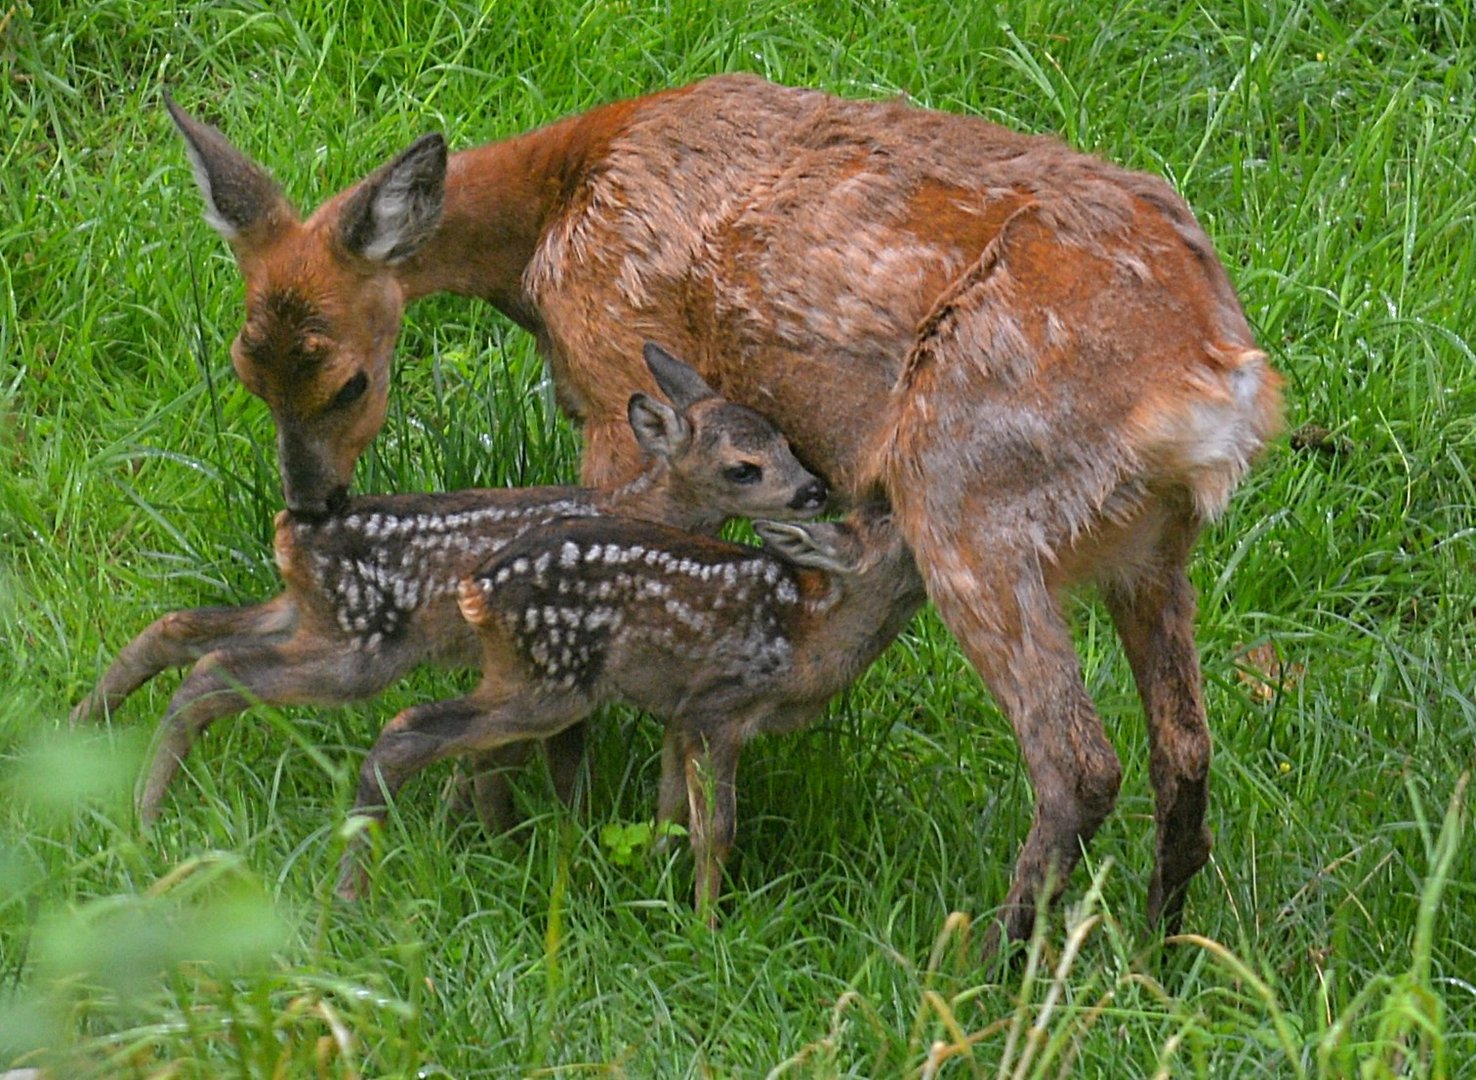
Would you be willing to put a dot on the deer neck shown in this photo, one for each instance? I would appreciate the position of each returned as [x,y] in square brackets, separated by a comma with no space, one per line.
[499,200]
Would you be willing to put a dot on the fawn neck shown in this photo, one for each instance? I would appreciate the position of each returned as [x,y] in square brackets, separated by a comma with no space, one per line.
[654,495]
[857,616]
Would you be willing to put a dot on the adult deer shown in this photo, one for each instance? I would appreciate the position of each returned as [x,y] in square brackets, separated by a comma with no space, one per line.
[1035,354]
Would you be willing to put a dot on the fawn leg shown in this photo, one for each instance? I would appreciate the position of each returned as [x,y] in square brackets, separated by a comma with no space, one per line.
[425,734]
[711,767]
[564,753]
[492,794]
[671,803]
[230,681]
[1155,619]
[180,638]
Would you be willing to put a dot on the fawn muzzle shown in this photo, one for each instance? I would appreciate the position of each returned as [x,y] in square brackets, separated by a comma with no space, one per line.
[810,497]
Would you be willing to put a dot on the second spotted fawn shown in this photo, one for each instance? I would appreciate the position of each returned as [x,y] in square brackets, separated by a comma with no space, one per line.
[723,641]
[371,591]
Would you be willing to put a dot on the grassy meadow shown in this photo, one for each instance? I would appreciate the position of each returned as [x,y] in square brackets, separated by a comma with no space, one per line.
[1329,148]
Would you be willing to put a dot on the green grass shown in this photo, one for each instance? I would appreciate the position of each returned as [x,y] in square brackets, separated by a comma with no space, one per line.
[1329,149]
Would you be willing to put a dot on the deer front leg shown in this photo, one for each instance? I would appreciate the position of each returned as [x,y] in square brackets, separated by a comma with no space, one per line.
[180,638]
[611,456]
[425,734]
[710,765]
[231,680]
[1155,619]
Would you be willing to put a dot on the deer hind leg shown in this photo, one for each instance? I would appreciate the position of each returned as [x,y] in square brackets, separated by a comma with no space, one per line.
[1012,630]
[425,734]
[229,681]
[1154,615]
[180,638]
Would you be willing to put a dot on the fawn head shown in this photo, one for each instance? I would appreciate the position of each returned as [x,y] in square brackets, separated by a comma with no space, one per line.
[323,305]
[715,453]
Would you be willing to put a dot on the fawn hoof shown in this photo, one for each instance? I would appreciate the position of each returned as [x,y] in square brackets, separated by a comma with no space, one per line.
[353,881]
[146,809]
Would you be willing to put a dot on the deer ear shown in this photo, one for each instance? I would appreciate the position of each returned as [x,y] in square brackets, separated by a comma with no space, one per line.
[239,194]
[395,210]
[678,381]
[814,544]
[661,431]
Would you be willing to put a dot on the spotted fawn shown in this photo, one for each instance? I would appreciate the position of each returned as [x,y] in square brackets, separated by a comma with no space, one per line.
[723,641]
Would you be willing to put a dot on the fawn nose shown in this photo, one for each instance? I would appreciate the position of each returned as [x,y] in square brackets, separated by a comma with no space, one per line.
[810,497]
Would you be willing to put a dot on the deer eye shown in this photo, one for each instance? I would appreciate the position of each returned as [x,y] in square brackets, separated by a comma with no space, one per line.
[351,391]
[745,473]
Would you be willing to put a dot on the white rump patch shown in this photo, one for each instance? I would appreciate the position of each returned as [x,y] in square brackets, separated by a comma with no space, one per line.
[1209,443]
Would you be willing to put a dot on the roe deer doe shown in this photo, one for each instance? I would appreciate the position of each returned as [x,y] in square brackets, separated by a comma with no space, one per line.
[1035,354]
[371,593]
[721,640]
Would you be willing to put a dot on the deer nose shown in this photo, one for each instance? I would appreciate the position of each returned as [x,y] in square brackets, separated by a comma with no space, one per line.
[810,497]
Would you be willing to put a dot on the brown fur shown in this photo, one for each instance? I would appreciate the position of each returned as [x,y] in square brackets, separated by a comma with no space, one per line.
[1036,354]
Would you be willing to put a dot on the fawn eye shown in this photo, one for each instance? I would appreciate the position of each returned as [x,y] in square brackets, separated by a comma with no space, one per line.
[745,473]
[351,391]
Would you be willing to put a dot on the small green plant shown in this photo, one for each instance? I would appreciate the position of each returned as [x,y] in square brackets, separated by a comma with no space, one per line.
[625,842]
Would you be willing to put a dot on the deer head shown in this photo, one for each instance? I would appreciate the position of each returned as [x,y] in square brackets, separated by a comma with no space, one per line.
[323,304]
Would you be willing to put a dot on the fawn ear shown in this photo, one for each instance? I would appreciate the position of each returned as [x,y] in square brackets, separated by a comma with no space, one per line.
[395,209]
[661,431]
[821,545]
[239,194]
[680,382]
